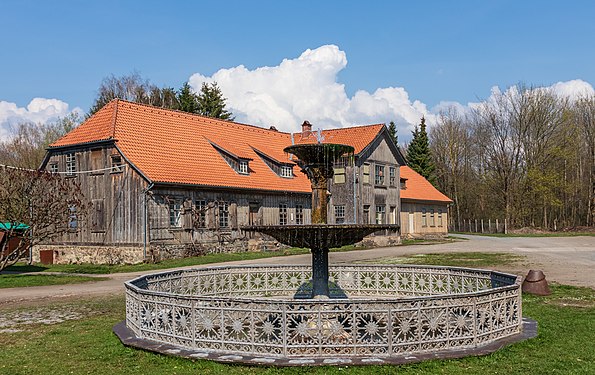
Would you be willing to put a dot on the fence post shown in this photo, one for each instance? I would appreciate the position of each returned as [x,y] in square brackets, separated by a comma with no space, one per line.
[505,227]
[476,229]
[489,225]
[481,225]
[496,225]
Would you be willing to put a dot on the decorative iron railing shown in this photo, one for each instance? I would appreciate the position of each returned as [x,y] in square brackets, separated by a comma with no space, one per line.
[378,310]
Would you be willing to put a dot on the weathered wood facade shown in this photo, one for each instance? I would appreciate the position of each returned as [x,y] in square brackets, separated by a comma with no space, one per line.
[424,219]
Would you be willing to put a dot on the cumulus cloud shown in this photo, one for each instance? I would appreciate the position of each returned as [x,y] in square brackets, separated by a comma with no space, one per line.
[39,110]
[306,88]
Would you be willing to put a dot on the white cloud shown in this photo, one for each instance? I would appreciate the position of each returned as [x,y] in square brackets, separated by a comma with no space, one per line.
[306,88]
[39,110]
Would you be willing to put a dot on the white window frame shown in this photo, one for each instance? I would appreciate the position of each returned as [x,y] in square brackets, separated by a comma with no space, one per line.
[223,208]
[299,214]
[283,215]
[175,213]
[339,214]
[243,167]
[286,171]
[380,214]
[70,164]
[379,175]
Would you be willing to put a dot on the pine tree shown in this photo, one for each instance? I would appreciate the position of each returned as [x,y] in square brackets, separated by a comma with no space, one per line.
[187,100]
[392,131]
[419,156]
[211,102]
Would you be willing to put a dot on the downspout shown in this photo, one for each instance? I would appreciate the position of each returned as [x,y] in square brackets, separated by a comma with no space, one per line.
[354,191]
[145,219]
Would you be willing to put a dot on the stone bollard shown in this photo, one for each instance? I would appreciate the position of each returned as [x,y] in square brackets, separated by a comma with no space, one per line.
[535,283]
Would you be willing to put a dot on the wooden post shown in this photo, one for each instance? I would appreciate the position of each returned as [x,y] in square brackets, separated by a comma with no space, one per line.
[505,228]
[496,225]
[476,229]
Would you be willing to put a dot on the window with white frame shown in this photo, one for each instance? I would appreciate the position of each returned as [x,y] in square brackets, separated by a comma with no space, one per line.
[223,215]
[70,164]
[73,222]
[380,214]
[440,223]
[286,171]
[379,175]
[175,213]
[339,214]
[299,214]
[243,167]
[54,168]
[201,213]
[432,218]
[282,214]
[424,217]
[392,175]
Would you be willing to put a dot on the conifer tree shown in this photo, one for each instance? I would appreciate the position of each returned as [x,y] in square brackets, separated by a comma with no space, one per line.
[419,156]
[392,131]
[211,102]
[187,100]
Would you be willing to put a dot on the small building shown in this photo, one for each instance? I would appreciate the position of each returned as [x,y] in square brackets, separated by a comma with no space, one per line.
[424,209]
[165,183]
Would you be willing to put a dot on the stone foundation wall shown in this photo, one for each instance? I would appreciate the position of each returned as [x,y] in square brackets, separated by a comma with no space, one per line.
[91,254]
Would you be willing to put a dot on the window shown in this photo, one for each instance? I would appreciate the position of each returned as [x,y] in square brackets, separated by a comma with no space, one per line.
[175,213]
[286,171]
[339,214]
[392,176]
[299,214]
[70,164]
[73,222]
[243,167]
[366,217]
[54,168]
[379,175]
[201,213]
[440,217]
[424,217]
[403,183]
[380,212]
[432,219]
[223,215]
[339,175]
[117,165]
[282,214]
[366,174]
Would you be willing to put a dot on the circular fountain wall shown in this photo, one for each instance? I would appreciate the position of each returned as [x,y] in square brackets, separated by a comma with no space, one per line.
[376,314]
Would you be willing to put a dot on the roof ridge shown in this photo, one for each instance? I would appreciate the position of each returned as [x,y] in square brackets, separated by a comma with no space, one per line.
[115,117]
[353,127]
[195,115]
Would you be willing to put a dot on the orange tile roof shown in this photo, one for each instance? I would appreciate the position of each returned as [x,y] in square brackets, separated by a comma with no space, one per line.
[177,147]
[357,136]
[418,188]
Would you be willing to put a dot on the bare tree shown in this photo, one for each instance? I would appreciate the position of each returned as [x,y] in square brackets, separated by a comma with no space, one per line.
[36,207]
[26,147]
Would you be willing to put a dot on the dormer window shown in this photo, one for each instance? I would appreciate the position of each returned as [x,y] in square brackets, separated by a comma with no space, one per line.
[286,171]
[243,167]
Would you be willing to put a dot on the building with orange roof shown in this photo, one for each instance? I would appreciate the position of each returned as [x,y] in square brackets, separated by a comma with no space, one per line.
[164,183]
[424,208]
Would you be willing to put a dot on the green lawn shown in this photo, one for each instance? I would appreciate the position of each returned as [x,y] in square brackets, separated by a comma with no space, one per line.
[17,281]
[471,259]
[88,346]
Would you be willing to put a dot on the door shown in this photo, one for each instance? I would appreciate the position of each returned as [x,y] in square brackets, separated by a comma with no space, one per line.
[411,228]
[253,214]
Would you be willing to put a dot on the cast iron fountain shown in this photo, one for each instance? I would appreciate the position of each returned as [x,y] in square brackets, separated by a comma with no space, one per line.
[383,314]
[316,161]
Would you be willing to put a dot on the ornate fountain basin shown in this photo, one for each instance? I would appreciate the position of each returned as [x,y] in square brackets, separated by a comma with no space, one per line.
[378,314]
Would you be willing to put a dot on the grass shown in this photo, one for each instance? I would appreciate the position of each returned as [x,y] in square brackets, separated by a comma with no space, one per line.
[17,281]
[471,259]
[87,346]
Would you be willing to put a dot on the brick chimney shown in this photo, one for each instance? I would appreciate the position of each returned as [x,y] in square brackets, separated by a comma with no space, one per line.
[306,129]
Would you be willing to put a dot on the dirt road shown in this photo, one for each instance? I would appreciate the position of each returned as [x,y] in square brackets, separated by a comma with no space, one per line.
[566,260]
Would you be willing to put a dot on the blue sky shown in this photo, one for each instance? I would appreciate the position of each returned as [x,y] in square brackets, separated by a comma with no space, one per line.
[434,51]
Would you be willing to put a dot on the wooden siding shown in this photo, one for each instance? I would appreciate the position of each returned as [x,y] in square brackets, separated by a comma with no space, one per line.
[413,213]
[115,212]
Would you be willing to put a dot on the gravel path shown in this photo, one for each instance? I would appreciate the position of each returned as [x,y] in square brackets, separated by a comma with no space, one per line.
[566,260]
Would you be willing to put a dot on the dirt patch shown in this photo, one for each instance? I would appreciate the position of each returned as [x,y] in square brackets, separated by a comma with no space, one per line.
[19,320]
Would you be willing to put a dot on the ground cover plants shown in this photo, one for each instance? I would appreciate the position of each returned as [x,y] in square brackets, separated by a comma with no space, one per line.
[18,281]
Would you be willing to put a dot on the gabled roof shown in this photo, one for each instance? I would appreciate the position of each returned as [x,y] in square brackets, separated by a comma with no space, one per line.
[418,188]
[357,136]
[176,147]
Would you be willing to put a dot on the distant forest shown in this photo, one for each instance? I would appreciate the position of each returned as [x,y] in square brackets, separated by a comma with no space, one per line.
[526,154]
